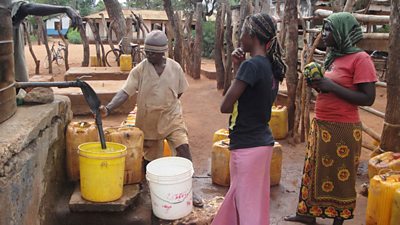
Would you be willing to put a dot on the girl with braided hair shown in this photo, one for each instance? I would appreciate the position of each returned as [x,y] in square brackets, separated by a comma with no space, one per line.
[334,142]
[249,100]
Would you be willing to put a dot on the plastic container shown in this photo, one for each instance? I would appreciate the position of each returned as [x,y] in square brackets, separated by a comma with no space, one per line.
[170,183]
[220,135]
[93,61]
[167,150]
[384,161]
[77,134]
[102,171]
[395,217]
[279,122]
[220,157]
[132,138]
[125,62]
[380,198]
[276,164]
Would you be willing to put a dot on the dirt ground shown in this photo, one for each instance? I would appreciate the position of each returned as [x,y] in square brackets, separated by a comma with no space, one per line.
[202,116]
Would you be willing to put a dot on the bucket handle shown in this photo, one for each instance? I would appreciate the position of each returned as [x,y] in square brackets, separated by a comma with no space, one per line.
[173,203]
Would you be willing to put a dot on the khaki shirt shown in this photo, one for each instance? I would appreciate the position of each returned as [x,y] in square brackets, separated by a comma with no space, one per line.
[159,109]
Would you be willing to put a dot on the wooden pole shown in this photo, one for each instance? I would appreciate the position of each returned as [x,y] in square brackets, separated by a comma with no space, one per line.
[37,62]
[373,19]
[391,128]
[65,49]
[291,60]
[219,42]
[229,45]
[198,41]
[85,43]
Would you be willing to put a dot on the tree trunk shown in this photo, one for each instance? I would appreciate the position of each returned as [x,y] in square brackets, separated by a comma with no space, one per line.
[257,7]
[338,5]
[266,6]
[349,5]
[37,62]
[291,58]
[244,11]
[187,32]
[219,43]
[85,43]
[99,45]
[229,45]
[42,29]
[109,35]
[173,19]
[114,11]
[391,128]
[65,50]
[198,41]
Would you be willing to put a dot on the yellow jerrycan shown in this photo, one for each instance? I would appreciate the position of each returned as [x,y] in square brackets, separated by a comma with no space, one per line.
[384,161]
[220,135]
[125,62]
[276,164]
[77,133]
[279,122]
[132,138]
[220,157]
[395,220]
[380,197]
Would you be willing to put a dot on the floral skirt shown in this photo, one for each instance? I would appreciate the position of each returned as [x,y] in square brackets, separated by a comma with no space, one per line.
[330,169]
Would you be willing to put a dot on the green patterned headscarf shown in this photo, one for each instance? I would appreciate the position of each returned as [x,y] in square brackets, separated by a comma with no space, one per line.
[346,32]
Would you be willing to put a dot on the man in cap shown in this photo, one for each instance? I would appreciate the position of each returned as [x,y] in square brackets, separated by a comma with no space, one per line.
[21,9]
[159,83]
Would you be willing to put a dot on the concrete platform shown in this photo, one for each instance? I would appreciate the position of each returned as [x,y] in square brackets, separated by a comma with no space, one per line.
[96,73]
[78,204]
[41,78]
[105,91]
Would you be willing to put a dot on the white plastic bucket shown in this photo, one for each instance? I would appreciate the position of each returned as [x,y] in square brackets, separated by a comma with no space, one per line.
[170,182]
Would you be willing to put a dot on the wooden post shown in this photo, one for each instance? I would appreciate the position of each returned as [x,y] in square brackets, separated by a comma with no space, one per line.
[229,45]
[85,43]
[198,41]
[391,128]
[349,5]
[244,11]
[291,58]
[99,45]
[37,62]
[219,42]
[266,6]
[42,29]
[174,20]
[109,35]
[65,50]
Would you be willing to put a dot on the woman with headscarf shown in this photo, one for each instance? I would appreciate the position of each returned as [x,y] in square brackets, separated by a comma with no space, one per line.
[249,100]
[334,143]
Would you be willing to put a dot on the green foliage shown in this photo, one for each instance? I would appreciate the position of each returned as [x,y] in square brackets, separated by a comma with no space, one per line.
[208,39]
[384,29]
[33,38]
[74,36]
[100,6]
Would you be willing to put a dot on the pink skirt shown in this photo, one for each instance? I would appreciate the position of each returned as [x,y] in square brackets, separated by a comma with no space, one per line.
[247,201]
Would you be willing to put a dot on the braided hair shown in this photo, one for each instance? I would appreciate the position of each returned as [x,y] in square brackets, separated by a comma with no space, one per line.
[264,28]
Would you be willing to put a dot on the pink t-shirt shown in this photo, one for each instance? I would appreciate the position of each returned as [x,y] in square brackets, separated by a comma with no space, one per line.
[347,71]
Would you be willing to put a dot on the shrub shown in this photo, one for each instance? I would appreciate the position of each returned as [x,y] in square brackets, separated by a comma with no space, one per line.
[208,39]
[74,36]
